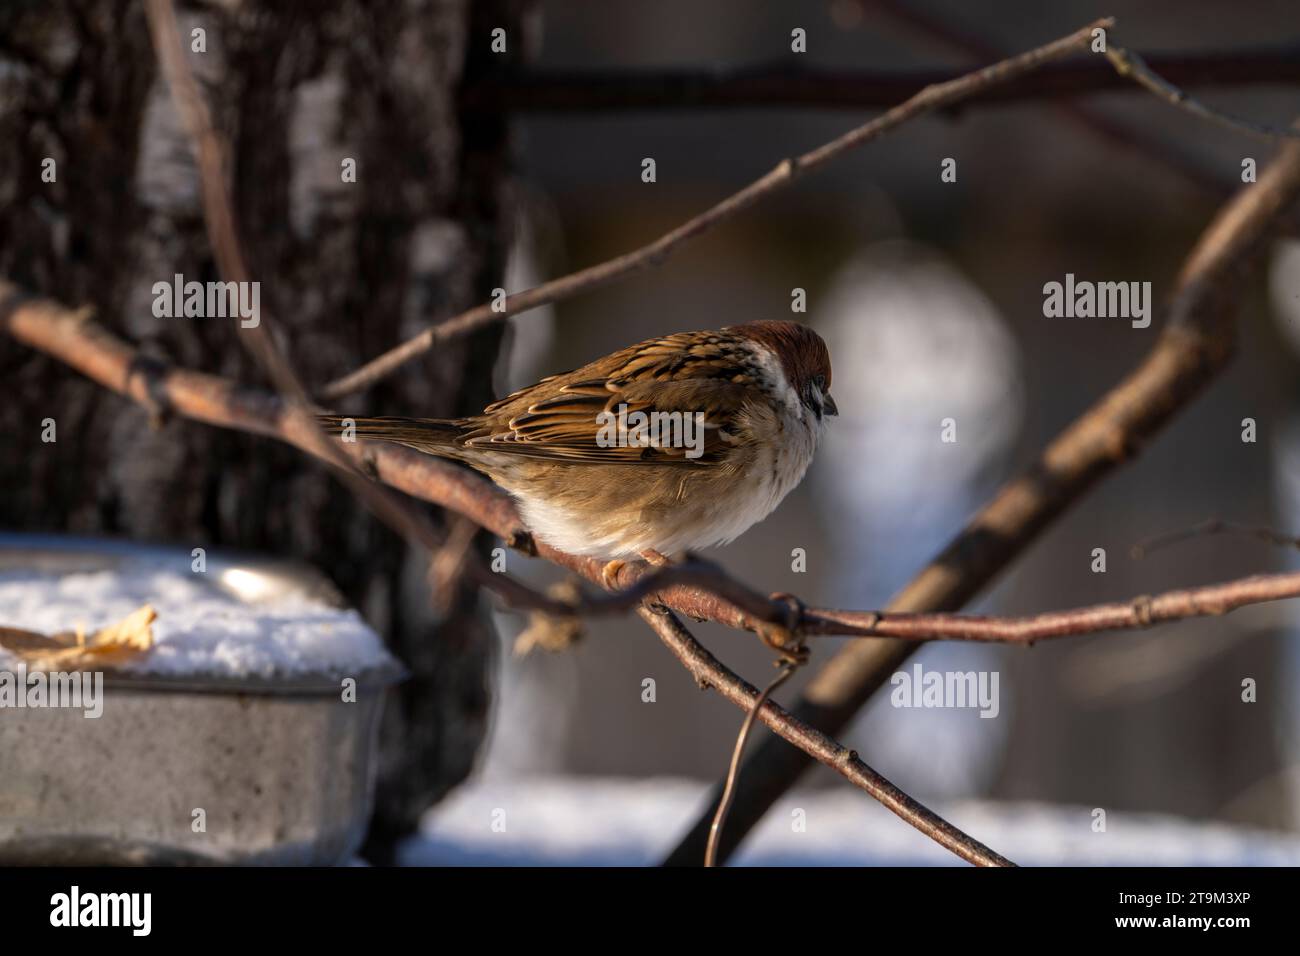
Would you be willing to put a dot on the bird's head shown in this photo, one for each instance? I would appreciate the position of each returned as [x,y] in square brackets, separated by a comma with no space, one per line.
[803,358]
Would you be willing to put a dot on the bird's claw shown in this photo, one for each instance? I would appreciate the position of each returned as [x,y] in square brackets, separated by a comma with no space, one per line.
[609,574]
[521,540]
[784,636]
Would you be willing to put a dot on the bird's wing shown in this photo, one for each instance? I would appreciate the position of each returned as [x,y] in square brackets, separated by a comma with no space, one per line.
[693,386]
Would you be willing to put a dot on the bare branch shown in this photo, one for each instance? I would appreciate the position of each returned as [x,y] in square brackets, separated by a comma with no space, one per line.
[929,99]
[709,671]
[1196,344]
[1213,526]
[698,588]
[71,336]
[1095,123]
[1128,63]
[781,86]
[733,769]
[761,613]
[1140,612]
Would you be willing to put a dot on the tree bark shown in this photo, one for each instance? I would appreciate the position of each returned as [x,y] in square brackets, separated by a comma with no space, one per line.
[346,269]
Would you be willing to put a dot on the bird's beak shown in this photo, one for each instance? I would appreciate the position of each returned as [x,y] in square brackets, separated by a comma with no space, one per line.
[828,406]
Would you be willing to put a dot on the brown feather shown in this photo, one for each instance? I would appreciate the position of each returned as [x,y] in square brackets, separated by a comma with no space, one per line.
[557,418]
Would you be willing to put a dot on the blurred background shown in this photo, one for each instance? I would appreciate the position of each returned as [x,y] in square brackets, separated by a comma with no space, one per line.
[928,293]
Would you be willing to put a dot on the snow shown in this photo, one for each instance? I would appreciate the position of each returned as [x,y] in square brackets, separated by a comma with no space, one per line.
[603,821]
[200,629]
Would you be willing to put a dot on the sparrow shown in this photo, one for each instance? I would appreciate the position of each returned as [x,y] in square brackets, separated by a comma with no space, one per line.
[729,421]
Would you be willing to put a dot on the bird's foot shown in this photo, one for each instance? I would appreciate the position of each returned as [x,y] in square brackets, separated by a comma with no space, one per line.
[784,636]
[609,574]
[521,540]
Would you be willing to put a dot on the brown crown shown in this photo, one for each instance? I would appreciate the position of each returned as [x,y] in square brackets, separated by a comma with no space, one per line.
[802,352]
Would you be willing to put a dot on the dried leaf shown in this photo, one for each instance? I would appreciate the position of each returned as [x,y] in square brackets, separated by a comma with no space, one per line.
[548,631]
[71,650]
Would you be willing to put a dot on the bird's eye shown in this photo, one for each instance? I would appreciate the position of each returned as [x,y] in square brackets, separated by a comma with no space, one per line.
[820,382]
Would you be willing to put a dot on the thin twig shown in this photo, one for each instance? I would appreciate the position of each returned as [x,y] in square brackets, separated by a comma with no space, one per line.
[450,560]
[933,27]
[931,98]
[733,769]
[708,671]
[1213,526]
[1127,63]
[1139,612]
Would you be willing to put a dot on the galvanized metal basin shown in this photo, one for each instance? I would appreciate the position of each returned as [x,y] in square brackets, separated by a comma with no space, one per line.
[190,770]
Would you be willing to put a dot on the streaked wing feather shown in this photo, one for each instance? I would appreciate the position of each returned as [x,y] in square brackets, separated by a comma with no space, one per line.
[558,417]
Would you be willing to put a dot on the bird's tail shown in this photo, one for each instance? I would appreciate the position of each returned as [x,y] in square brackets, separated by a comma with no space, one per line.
[433,435]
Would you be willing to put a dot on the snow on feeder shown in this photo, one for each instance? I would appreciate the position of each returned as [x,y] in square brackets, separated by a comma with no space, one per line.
[159,707]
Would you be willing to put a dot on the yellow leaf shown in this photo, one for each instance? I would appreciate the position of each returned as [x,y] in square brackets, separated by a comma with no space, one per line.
[70,650]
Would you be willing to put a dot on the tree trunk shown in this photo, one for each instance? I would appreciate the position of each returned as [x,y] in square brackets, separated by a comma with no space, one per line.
[347,269]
